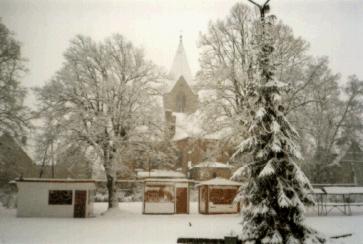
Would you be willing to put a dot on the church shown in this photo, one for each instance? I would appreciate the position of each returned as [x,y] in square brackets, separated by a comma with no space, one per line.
[196,154]
[198,151]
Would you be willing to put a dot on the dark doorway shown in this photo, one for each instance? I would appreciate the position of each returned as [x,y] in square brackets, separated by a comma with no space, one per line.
[181,200]
[80,204]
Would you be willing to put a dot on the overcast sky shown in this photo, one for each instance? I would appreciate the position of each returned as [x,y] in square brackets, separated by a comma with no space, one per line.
[44,27]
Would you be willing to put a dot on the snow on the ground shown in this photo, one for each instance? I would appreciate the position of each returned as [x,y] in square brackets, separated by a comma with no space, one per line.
[128,225]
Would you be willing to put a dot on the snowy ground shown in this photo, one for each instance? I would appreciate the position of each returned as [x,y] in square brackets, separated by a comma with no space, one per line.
[130,226]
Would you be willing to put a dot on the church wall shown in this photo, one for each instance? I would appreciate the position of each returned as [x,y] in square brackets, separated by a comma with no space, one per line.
[196,151]
[181,98]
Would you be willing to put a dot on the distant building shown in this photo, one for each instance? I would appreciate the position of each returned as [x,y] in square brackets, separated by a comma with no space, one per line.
[186,138]
[184,120]
[181,98]
[210,170]
[197,149]
[14,161]
[71,163]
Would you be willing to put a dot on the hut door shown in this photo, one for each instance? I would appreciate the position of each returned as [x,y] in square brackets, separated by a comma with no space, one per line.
[181,200]
[80,204]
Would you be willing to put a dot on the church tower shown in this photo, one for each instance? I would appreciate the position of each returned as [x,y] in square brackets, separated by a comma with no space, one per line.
[180,66]
[181,98]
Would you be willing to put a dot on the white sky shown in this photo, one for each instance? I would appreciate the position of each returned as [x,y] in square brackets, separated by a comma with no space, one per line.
[44,27]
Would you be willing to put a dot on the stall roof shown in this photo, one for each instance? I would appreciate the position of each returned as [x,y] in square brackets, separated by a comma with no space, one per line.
[166,180]
[318,191]
[219,182]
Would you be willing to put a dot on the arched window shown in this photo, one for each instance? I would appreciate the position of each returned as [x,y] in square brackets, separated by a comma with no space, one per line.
[180,102]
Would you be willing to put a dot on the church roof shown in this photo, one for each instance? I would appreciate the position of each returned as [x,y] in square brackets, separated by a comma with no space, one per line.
[180,65]
[14,161]
[170,84]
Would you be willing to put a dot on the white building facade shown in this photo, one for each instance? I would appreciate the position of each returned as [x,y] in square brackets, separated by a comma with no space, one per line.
[55,198]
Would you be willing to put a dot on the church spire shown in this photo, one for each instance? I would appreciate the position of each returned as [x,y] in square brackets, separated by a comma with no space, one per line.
[180,65]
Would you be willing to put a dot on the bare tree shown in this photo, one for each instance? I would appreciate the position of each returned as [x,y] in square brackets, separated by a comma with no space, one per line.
[332,123]
[14,116]
[103,96]
[314,103]
[227,66]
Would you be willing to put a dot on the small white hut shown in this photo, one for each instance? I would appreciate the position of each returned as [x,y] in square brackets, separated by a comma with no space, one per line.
[166,196]
[216,196]
[55,197]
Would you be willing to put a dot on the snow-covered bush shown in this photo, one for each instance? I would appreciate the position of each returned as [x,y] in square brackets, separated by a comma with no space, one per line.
[8,196]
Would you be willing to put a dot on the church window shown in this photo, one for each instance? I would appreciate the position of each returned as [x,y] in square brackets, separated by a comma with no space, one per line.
[181,102]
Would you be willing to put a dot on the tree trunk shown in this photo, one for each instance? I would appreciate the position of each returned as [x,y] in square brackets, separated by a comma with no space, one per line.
[112,191]
[111,179]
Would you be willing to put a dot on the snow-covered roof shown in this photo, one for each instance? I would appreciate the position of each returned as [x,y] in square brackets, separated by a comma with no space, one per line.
[187,125]
[191,125]
[318,191]
[219,182]
[166,180]
[51,180]
[212,165]
[180,65]
[160,174]
[343,190]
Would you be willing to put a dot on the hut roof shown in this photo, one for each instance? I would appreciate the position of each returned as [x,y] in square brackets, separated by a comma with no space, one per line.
[343,190]
[51,180]
[166,180]
[219,182]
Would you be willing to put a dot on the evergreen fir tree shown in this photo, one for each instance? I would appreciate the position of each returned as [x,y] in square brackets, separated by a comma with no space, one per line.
[277,189]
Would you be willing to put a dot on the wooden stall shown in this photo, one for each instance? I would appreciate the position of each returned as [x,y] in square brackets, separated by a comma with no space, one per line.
[55,198]
[216,196]
[166,196]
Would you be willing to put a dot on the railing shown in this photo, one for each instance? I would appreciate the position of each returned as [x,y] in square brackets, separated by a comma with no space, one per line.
[340,198]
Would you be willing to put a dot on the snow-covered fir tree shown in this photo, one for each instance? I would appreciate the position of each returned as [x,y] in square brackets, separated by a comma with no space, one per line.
[277,189]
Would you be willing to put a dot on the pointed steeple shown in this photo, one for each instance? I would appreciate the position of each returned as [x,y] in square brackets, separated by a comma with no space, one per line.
[180,65]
